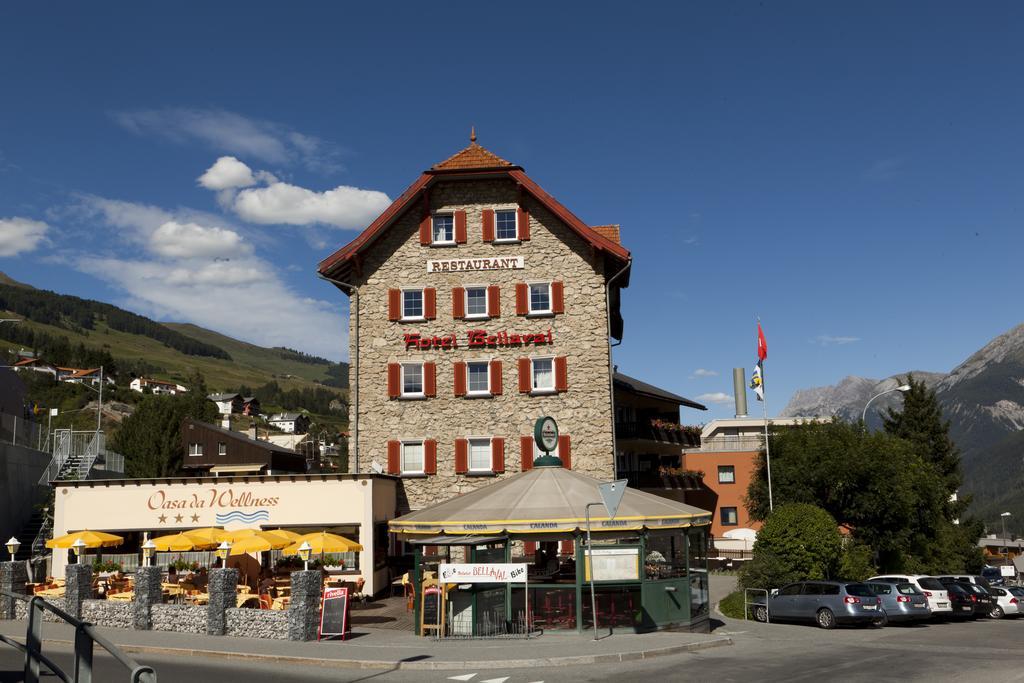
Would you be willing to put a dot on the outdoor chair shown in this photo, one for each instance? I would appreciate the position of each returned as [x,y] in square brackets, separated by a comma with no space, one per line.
[266,602]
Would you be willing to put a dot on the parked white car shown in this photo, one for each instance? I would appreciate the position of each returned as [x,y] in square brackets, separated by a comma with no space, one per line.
[938,596]
[1007,603]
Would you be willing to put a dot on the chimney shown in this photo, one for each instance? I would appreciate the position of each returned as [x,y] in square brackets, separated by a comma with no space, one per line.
[739,389]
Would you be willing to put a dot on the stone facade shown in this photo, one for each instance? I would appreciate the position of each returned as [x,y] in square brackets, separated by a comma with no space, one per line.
[180,618]
[78,588]
[108,613]
[148,592]
[554,252]
[223,591]
[256,623]
[13,576]
[304,606]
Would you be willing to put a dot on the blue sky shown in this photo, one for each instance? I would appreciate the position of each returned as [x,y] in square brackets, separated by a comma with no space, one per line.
[852,174]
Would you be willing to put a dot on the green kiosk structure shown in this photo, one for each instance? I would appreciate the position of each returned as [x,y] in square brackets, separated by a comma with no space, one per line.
[648,562]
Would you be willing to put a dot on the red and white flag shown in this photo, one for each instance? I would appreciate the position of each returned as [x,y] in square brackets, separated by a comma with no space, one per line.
[762,345]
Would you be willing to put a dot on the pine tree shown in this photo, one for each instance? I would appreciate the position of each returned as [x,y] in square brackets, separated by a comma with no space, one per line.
[921,423]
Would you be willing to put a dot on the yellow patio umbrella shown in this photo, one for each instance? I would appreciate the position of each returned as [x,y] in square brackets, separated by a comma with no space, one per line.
[238,534]
[182,542]
[258,542]
[290,535]
[91,539]
[322,542]
[210,534]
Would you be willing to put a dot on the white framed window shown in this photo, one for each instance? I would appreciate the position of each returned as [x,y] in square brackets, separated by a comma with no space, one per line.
[222,448]
[412,380]
[412,304]
[542,375]
[195,449]
[443,229]
[729,517]
[726,474]
[412,457]
[476,302]
[480,454]
[478,380]
[540,298]
[505,227]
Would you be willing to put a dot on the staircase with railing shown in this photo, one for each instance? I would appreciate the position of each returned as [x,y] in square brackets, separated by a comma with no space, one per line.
[76,454]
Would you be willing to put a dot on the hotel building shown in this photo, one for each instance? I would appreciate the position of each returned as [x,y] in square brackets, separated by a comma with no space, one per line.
[478,303]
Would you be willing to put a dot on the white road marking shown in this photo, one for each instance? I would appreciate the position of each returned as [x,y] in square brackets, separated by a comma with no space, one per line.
[496,680]
[463,677]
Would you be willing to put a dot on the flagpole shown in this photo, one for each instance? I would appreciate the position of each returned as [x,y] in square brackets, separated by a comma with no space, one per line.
[767,450]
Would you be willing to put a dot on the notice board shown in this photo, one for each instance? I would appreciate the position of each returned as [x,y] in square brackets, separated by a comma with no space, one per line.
[613,564]
[432,609]
[334,613]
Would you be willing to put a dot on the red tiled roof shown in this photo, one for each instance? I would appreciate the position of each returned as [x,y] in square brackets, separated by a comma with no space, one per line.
[473,156]
[608,231]
[473,160]
[26,361]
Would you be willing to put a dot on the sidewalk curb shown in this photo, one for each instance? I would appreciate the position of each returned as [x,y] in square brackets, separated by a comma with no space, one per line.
[404,665]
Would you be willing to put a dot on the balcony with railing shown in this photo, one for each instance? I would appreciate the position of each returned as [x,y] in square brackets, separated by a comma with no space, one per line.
[655,430]
[727,443]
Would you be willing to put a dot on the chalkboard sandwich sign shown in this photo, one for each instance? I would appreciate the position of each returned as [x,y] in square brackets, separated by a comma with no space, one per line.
[334,613]
[432,613]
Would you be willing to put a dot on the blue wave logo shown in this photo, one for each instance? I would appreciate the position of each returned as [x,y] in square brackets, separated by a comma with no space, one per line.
[244,517]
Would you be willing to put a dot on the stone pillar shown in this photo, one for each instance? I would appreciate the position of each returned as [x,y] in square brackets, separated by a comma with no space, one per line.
[77,589]
[304,607]
[223,589]
[148,592]
[13,577]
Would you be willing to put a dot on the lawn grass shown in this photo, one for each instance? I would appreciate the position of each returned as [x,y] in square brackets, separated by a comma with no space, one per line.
[732,605]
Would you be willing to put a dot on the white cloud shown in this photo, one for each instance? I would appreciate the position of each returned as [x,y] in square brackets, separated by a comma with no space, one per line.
[243,299]
[830,340]
[190,240]
[715,397]
[277,203]
[226,173]
[230,132]
[701,372]
[21,235]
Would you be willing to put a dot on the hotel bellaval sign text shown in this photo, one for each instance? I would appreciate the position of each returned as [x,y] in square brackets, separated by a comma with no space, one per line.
[477,339]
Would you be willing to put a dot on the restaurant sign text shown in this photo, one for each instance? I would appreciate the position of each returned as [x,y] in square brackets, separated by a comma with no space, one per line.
[211,498]
[458,265]
[482,573]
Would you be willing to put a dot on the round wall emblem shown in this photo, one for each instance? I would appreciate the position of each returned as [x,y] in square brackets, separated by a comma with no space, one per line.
[545,433]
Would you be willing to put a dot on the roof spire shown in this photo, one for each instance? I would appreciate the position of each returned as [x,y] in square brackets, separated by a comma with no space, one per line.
[472,133]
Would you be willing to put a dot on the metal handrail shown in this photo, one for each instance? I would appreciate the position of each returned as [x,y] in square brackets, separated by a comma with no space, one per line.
[85,637]
[747,603]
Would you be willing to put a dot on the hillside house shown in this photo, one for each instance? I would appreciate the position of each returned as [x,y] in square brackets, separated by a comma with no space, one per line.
[228,404]
[156,386]
[83,376]
[290,423]
[35,365]
[214,450]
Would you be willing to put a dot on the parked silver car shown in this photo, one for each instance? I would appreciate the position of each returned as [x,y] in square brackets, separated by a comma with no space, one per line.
[826,603]
[901,601]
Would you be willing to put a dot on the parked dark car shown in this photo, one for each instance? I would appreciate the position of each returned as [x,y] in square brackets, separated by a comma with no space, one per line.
[961,600]
[901,601]
[826,603]
[982,601]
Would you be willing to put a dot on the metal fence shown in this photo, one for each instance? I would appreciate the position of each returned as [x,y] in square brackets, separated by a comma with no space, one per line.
[86,639]
[486,626]
[21,432]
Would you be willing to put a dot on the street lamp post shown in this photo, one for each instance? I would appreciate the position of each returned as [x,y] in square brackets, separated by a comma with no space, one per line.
[223,550]
[904,388]
[12,547]
[304,551]
[1006,545]
[148,548]
[78,548]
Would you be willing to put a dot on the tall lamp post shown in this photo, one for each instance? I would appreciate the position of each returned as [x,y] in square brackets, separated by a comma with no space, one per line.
[904,388]
[148,548]
[1006,546]
[304,551]
[12,547]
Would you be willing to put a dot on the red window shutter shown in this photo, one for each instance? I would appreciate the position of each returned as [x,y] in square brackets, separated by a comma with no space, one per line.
[526,452]
[561,374]
[460,378]
[488,225]
[494,301]
[525,381]
[529,548]
[394,304]
[565,450]
[429,303]
[567,547]
[429,457]
[461,456]
[458,303]
[460,227]
[498,454]
[425,230]
[429,379]
[557,297]
[394,464]
[523,223]
[522,298]
[394,380]
[496,387]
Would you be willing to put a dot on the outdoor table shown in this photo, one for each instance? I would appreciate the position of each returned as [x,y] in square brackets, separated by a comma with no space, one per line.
[245,600]
[280,603]
[199,598]
[52,592]
[126,596]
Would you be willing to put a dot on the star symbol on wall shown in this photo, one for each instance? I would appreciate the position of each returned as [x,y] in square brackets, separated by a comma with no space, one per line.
[195,518]
[162,518]
[177,518]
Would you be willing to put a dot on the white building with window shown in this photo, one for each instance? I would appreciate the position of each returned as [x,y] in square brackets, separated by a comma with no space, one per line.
[482,304]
